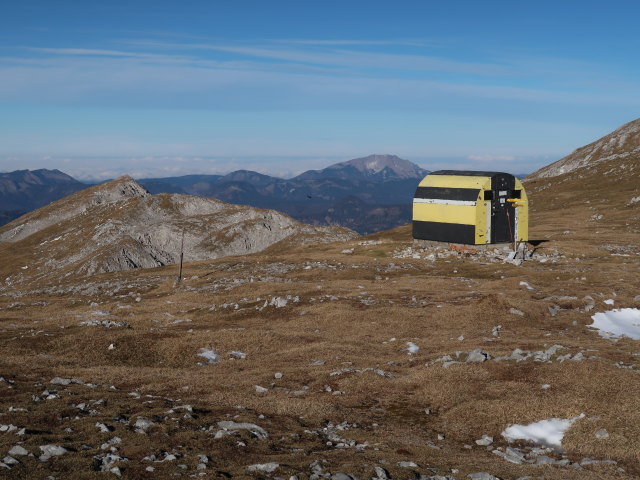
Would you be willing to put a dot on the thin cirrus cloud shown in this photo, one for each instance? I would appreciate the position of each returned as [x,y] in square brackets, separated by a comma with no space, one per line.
[346,58]
[207,75]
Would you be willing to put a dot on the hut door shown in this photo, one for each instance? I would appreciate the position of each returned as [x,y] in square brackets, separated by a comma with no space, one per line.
[502,212]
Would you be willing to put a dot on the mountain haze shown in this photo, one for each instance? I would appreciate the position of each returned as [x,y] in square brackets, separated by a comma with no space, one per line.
[381,185]
[380,189]
[25,190]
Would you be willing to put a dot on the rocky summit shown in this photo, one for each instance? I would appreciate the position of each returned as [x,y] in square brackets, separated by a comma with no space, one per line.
[363,358]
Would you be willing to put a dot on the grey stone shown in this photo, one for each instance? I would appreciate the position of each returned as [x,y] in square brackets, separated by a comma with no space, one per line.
[407,465]
[381,473]
[512,455]
[106,462]
[590,461]
[578,357]
[477,356]
[264,467]
[18,450]
[60,381]
[482,476]
[53,450]
[448,364]
[545,460]
[601,434]
[255,430]
[104,428]
[142,425]
[554,309]
[10,460]
[342,476]
[485,440]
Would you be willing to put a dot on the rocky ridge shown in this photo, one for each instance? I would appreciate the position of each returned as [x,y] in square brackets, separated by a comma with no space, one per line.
[621,144]
[119,225]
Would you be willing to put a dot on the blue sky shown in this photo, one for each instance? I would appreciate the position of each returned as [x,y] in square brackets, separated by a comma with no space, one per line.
[160,88]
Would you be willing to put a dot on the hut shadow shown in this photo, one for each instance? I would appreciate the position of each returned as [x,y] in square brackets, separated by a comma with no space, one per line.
[535,244]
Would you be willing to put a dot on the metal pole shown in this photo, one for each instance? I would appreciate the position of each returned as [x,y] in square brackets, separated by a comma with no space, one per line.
[181,257]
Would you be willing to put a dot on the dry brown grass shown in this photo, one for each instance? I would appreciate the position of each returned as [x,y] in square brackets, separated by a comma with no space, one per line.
[454,297]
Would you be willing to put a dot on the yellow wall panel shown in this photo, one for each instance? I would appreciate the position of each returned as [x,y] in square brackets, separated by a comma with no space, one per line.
[455,181]
[483,215]
[429,212]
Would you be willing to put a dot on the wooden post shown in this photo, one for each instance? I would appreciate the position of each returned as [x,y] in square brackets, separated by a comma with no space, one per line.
[181,257]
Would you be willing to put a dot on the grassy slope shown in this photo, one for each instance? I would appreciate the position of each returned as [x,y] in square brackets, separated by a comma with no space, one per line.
[454,297]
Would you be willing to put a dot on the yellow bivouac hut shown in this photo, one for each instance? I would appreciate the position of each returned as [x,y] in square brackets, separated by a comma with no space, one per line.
[469,207]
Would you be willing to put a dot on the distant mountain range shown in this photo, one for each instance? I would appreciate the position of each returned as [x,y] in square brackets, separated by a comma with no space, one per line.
[365,194]
[25,190]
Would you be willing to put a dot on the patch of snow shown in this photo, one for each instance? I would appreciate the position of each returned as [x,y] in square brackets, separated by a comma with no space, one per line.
[209,354]
[544,432]
[611,301]
[412,348]
[525,284]
[621,322]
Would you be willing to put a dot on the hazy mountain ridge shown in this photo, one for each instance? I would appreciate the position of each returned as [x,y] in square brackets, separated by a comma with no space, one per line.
[24,190]
[385,182]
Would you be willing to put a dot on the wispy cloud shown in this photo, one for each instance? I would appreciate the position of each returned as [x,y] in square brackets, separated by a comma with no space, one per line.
[401,43]
[346,58]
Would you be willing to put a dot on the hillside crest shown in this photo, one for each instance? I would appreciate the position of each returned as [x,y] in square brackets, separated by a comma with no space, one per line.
[621,144]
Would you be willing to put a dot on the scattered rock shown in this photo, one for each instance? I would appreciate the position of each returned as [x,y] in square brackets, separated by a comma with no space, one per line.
[482,476]
[342,476]
[512,455]
[381,474]
[477,356]
[49,451]
[142,425]
[485,440]
[65,381]
[18,450]
[264,467]
[106,463]
[230,426]
[601,434]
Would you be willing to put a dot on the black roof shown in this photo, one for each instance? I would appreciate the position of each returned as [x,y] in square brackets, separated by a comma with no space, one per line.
[468,173]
